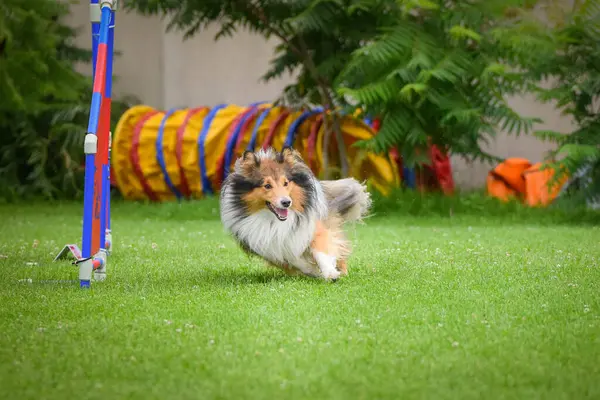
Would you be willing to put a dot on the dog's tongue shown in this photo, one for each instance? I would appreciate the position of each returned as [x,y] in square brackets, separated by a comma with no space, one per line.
[283,212]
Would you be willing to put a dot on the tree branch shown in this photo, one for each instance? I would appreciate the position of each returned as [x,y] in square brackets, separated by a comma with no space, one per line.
[323,86]
[303,54]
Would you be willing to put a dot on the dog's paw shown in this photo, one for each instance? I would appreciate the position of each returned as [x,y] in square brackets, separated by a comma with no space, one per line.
[327,265]
[332,275]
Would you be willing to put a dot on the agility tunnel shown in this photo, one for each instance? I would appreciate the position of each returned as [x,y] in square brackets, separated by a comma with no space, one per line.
[187,152]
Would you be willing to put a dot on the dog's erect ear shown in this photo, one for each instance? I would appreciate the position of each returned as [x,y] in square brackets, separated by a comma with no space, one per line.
[247,162]
[290,156]
[249,156]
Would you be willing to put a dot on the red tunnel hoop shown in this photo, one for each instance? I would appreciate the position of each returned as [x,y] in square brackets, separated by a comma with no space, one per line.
[312,142]
[135,156]
[185,188]
[245,128]
[221,161]
[273,128]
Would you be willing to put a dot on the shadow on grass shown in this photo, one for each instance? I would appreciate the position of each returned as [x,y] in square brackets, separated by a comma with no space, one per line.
[243,277]
[175,284]
[63,275]
[224,278]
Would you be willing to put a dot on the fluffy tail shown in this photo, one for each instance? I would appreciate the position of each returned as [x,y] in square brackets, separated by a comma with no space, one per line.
[348,198]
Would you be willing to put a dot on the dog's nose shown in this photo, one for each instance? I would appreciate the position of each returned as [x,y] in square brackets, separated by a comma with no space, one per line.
[285,203]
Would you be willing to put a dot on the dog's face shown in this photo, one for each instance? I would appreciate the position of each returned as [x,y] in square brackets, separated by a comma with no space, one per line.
[278,182]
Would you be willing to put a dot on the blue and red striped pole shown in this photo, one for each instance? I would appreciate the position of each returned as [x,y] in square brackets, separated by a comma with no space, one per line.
[105,234]
[96,144]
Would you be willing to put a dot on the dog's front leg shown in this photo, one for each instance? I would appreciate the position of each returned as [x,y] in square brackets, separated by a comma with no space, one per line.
[321,248]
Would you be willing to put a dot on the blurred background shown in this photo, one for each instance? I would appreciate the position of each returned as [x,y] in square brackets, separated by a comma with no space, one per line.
[167,56]
[200,71]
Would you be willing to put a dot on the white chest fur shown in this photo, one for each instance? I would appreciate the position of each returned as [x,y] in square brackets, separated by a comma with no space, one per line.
[277,241]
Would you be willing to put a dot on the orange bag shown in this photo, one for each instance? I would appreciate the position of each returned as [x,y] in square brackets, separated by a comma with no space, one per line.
[538,192]
[506,180]
[517,177]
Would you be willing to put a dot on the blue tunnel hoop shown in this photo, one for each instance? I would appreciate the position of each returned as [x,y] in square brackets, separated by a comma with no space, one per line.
[230,148]
[160,155]
[263,115]
[291,134]
[206,185]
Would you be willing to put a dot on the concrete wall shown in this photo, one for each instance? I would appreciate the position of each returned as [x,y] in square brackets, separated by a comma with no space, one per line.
[164,71]
[139,68]
[200,71]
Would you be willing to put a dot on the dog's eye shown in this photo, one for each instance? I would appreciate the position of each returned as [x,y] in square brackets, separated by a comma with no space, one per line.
[268,186]
[285,183]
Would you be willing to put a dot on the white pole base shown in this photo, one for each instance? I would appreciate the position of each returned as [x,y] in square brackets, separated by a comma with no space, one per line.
[86,268]
[100,273]
[108,244]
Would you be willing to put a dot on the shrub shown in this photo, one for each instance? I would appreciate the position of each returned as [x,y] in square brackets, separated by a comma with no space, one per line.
[44,105]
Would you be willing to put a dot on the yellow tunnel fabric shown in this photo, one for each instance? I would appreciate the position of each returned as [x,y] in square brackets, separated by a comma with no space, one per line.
[139,146]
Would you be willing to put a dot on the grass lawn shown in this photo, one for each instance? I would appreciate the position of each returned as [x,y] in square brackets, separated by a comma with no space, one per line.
[434,307]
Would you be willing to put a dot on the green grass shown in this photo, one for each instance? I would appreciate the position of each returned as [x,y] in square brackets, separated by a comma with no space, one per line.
[468,303]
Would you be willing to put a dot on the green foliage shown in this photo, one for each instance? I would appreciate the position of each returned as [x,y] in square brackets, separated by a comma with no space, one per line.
[436,71]
[479,203]
[439,75]
[34,53]
[44,105]
[429,67]
[575,88]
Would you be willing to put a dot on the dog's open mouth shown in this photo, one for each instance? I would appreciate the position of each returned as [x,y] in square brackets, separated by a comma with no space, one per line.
[280,213]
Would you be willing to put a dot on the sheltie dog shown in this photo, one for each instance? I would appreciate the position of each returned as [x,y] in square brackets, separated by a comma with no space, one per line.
[274,207]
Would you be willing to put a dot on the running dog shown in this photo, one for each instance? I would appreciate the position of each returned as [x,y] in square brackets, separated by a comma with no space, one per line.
[274,207]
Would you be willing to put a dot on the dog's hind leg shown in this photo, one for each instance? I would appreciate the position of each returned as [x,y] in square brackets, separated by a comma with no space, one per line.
[342,265]
[324,253]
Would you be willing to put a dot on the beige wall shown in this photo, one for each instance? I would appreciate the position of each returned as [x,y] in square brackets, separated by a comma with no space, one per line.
[200,71]
[139,68]
[164,71]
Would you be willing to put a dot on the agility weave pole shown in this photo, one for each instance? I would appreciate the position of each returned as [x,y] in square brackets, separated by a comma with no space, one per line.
[96,233]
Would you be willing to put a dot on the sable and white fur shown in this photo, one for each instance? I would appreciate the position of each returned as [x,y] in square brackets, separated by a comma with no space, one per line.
[306,233]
